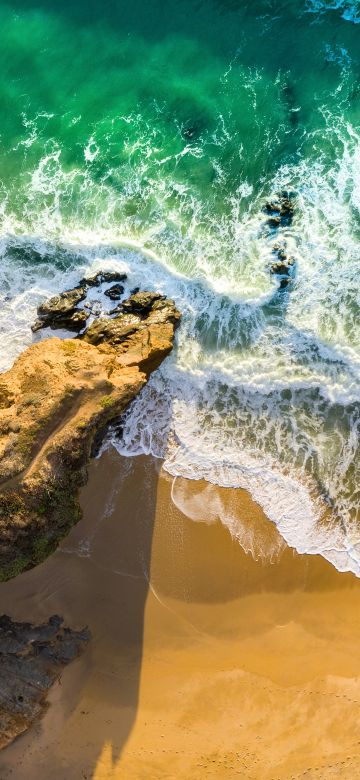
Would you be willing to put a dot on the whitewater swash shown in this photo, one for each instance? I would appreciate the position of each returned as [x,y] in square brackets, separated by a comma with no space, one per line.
[298,513]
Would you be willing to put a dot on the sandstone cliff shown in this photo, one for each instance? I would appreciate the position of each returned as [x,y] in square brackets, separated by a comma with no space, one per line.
[55,404]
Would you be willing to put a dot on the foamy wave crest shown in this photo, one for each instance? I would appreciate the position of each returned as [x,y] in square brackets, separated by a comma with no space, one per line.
[205,503]
[349,8]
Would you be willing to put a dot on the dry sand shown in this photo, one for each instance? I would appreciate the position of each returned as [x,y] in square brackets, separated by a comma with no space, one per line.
[212,657]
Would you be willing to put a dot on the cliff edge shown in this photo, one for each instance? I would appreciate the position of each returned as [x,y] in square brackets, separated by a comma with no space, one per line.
[55,405]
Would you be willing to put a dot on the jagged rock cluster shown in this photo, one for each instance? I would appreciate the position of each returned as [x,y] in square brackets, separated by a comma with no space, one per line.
[55,404]
[31,659]
[280,213]
[63,311]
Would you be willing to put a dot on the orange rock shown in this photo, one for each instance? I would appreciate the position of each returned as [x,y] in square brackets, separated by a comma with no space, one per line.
[55,405]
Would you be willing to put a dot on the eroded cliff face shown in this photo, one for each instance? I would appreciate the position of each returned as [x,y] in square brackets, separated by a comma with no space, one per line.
[55,402]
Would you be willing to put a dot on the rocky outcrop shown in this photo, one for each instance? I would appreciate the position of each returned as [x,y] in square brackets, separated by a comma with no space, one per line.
[31,660]
[115,292]
[283,265]
[102,276]
[63,310]
[55,404]
[281,211]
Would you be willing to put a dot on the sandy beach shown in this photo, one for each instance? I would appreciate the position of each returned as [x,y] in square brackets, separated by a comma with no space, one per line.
[215,653]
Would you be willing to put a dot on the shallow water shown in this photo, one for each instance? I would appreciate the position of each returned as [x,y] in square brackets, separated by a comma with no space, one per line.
[150,137]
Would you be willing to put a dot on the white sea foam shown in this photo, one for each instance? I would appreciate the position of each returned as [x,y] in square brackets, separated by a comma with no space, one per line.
[206,504]
[91,150]
[350,10]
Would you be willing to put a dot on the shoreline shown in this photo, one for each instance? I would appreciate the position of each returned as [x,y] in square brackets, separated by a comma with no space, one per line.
[204,661]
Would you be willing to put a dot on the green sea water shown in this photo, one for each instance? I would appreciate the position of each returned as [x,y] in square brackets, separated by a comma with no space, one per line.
[149,136]
[129,106]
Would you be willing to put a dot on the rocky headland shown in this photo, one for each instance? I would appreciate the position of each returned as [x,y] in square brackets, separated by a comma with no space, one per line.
[57,401]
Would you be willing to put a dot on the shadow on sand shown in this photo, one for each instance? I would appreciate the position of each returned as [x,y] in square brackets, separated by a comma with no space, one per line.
[99,577]
[137,551]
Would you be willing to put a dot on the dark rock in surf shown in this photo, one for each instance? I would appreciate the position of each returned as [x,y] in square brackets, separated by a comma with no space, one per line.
[283,266]
[91,281]
[281,211]
[63,303]
[61,311]
[102,276]
[74,321]
[281,269]
[287,210]
[135,313]
[115,292]
[113,276]
[274,222]
[142,302]
[31,660]
[272,207]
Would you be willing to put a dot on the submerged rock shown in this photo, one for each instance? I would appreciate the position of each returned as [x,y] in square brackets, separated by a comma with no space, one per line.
[192,129]
[58,399]
[31,659]
[94,307]
[274,222]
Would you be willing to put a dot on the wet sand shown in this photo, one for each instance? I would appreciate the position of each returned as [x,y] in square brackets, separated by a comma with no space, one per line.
[212,656]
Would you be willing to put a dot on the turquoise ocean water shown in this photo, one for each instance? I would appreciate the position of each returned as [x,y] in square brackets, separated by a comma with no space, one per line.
[148,137]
